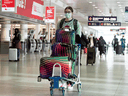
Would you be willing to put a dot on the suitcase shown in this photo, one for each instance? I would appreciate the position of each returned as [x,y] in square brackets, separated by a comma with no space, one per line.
[13,54]
[46,66]
[65,37]
[119,49]
[90,56]
[58,50]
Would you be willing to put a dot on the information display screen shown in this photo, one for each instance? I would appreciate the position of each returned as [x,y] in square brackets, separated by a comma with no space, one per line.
[104,23]
[102,18]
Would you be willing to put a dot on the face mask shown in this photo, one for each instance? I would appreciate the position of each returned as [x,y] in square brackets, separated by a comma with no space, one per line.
[68,15]
[91,36]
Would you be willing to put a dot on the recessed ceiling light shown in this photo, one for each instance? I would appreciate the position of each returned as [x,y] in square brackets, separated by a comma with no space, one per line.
[118,2]
[90,2]
[96,7]
[119,5]
[93,5]
[61,15]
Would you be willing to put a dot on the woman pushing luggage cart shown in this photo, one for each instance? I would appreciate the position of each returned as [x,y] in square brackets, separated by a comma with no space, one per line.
[64,55]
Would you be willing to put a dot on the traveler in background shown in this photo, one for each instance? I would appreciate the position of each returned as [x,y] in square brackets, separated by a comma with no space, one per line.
[101,46]
[115,42]
[123,44]
[93,43]
[16,42]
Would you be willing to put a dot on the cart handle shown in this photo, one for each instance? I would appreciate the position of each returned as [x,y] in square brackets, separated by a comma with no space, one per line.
[54,69]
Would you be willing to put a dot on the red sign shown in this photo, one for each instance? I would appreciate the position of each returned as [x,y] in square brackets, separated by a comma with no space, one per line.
[8,5]
[50,14]
[30,8]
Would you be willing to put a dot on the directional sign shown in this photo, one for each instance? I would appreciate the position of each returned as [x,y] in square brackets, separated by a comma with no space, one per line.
[104,24]
[102,18]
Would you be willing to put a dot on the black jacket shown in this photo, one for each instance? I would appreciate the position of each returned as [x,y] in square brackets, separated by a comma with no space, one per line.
[94,41]
[17,38]
[83,40]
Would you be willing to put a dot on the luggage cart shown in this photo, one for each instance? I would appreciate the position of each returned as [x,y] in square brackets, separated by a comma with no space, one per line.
[54,80]
[47,66]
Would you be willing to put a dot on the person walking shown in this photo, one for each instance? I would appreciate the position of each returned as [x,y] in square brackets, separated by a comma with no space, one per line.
[123,44]
[101,46]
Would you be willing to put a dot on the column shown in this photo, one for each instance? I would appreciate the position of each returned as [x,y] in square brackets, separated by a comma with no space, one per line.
[5,37]
[48,30]
[37,31]
[24,31]
[24,35]
[5,31]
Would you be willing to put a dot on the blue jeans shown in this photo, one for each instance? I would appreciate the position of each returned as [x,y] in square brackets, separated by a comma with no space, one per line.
[18,53]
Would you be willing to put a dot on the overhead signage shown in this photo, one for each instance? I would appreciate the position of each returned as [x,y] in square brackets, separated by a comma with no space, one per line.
[30,8]
[104,24]
[50,14]
[37,9]
[102,18]
[8,5]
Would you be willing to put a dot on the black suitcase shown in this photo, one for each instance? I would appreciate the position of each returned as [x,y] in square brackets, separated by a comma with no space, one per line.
[91,56]
[119,49]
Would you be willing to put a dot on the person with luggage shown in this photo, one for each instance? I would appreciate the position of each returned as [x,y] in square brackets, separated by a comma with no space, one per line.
[123,41]
[101,46]
[93,44]
[16,42]
[115,42]
[69,23]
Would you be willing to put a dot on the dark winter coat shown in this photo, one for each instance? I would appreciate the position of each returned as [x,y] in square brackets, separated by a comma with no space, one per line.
[94,40]
[101,44]
[16,40]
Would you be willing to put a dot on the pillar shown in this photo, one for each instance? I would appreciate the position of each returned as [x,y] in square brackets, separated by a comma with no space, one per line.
[24,31]
[48,30]
[37,31]
[5,31]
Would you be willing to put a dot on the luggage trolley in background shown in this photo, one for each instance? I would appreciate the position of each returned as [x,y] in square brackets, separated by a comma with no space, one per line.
[66,59]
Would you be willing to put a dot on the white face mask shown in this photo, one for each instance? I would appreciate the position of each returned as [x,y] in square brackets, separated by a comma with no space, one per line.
[91,36]
[68,15]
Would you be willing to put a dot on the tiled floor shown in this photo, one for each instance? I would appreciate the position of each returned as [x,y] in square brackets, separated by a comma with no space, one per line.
[108,77]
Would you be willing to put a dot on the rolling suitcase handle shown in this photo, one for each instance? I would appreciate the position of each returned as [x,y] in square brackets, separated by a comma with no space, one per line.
[53,71]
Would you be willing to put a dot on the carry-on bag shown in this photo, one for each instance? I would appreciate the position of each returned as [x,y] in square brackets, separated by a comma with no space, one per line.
[119,49]
[90,56]
[12,54]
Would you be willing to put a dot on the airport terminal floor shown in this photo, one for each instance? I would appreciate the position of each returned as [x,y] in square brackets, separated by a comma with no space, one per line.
[108,77]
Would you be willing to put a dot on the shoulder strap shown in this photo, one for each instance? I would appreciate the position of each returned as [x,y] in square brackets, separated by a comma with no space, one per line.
[61,22]
[75,24]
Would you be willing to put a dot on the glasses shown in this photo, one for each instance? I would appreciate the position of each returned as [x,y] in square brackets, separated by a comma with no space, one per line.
[67,11]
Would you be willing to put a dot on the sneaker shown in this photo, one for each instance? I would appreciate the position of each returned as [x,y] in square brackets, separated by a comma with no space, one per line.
[70,87]
[63,85]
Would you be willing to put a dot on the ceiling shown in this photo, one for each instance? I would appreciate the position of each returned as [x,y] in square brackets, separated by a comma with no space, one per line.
[85,8]
[96,7]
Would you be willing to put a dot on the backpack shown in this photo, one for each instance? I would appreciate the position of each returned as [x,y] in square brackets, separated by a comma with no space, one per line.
[101,42]
[74,23]
[115,40]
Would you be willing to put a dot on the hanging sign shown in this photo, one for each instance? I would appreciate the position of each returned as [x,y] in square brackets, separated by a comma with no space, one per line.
[8,5]
[50,14]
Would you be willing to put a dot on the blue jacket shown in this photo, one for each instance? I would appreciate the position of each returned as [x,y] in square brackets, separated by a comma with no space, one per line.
[122,42]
